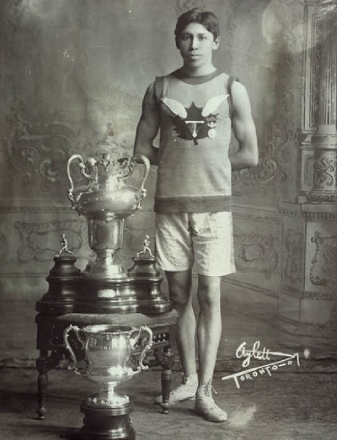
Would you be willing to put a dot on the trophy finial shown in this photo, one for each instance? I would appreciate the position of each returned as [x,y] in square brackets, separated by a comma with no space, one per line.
[146,247]
[64,247]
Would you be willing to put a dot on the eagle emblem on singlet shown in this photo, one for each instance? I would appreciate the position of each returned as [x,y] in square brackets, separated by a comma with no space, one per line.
[195,123]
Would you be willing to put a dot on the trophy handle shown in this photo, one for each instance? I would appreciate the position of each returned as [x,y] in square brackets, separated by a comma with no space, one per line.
[146,348]
[141,159]
[91,178]
[134,339]
[69,347]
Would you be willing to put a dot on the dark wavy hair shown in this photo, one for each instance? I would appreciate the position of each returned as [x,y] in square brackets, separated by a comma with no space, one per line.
[197,15]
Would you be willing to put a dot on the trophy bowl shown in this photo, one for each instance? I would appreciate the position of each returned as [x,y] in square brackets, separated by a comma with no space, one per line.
[105,201]
[110,358]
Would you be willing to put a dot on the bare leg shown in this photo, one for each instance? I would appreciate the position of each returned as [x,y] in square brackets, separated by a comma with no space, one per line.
[209,326]
[181,297]
[209,332]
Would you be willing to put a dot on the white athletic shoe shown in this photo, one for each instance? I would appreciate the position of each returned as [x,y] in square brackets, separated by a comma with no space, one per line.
[206,407]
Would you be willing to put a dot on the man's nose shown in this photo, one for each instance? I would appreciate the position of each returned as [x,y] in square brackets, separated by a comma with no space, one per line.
[194,43]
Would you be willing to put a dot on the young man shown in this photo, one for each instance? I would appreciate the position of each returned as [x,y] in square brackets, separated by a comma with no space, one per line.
[195,108]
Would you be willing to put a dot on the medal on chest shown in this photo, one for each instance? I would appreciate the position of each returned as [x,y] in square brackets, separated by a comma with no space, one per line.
[195,123]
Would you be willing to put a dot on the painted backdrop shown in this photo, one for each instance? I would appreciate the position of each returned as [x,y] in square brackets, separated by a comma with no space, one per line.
[72,78]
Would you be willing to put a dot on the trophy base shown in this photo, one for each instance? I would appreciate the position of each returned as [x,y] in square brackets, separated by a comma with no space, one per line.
[107,423]
[104,400]
[96,290]
[138,292]
[99,271]
[63,280]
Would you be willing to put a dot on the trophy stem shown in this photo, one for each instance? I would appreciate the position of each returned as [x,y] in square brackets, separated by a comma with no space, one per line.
[105,239]
[110,392]
[111,397]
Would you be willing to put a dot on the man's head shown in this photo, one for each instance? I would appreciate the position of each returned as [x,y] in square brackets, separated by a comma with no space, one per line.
[197,36]
[207,19]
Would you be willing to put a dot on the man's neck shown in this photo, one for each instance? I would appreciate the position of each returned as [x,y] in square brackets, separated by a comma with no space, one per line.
[199,71]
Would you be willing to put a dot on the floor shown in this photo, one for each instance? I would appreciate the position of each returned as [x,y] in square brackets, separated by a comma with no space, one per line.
[284,406]
[291,403]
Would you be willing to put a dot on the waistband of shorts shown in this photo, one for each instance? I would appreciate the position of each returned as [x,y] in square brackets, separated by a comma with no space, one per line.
[193,204]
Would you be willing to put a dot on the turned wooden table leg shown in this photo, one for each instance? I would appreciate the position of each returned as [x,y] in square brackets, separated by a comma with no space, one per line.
[166,379]
[42,383]
[166,361]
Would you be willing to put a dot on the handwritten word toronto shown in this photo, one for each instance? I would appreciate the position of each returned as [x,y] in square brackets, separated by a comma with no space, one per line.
[262,355]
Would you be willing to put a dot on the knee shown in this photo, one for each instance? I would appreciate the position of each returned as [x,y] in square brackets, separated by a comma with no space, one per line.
[179,295]
[209,294]
[208,302]
[179,287]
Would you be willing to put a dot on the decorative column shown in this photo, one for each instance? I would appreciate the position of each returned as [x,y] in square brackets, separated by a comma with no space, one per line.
[309,225]
[325,139]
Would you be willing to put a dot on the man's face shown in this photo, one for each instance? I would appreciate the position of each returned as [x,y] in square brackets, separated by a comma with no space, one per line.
[196,45]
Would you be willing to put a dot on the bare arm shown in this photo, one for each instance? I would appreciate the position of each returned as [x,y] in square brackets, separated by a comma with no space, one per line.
[244,130]
[148,127]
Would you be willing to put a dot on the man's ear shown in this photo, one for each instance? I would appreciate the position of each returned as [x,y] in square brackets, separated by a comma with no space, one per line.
[216,43]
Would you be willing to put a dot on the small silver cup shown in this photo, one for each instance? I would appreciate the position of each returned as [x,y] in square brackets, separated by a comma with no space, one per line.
[109,352]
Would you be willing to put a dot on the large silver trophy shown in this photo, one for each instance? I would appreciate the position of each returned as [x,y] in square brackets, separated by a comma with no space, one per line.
[113,354]
[106,200]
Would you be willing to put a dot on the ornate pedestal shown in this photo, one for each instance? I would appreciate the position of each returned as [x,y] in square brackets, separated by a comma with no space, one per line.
[307,299]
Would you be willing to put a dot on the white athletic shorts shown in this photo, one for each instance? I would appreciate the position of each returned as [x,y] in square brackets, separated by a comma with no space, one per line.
[204,239]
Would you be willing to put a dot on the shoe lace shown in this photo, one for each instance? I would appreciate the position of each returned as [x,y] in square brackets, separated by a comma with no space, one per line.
[209,390]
